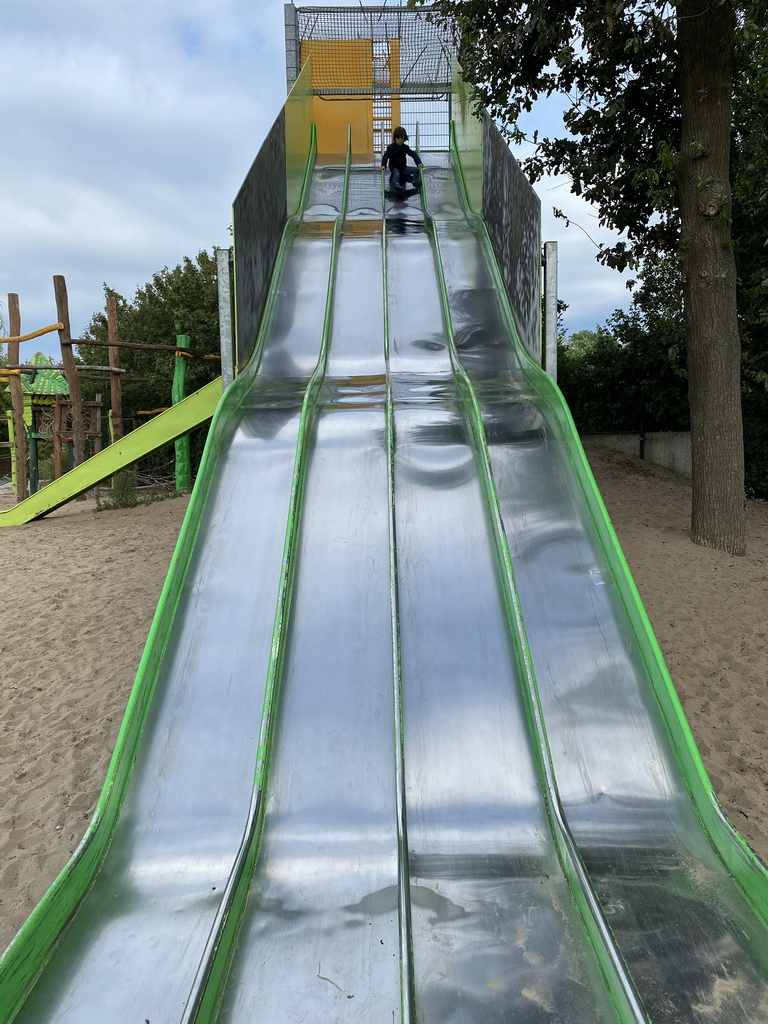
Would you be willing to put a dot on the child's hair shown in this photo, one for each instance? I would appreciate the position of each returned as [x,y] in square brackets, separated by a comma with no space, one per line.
[400,133]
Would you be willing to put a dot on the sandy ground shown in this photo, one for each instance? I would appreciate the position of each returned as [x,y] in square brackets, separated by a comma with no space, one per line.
[79,593]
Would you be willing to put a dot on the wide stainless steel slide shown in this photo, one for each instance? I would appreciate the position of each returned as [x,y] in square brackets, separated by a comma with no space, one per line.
[405,755]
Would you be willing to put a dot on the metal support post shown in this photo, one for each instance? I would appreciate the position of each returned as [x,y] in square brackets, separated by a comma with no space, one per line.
[550,309]
[226,337]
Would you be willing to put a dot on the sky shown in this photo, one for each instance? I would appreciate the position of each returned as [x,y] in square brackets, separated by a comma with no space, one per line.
[128,127]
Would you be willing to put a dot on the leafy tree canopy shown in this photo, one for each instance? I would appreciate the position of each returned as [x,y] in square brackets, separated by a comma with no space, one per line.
[749,175]
[647,139]
[632,370]
[617,62]
[186,295]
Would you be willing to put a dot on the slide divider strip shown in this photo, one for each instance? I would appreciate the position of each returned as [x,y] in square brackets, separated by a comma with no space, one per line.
[407,987]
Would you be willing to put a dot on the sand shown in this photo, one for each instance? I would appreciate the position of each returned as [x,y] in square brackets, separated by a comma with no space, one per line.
[81,586]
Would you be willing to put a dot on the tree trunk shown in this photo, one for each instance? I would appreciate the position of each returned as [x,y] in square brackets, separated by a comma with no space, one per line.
[705,40]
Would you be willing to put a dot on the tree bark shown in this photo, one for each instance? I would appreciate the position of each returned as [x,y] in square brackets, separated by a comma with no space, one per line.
[705,41]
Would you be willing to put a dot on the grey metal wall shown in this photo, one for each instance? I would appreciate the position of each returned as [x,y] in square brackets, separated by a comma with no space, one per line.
[512,212]
[258,216]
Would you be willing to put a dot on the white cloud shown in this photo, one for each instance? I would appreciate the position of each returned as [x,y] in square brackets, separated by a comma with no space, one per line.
[591,290]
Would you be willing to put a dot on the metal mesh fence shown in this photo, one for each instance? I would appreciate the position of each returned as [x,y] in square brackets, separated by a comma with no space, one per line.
[392,54]
[423,50]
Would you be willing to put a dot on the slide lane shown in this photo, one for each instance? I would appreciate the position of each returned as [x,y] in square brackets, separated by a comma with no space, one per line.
[495,931]
[320,938]
[695,944]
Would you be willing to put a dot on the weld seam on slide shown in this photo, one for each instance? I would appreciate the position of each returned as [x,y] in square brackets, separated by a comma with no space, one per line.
[27,954]
[407,984]
[208,987]
[619,982]
[734,852]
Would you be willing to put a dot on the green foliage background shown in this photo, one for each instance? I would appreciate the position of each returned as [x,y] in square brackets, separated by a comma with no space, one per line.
[186,295]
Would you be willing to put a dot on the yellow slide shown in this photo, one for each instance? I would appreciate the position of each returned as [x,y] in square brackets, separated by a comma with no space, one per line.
[162,430]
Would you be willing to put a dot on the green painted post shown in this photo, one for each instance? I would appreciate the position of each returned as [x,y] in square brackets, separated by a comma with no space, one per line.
[183,451]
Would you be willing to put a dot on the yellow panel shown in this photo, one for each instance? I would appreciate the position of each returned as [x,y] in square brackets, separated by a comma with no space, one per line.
[332,115]
[396,118]
[339,63]
[394,63]
[394,81]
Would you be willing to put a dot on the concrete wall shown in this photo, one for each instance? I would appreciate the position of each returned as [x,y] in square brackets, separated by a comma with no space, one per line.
[671,449]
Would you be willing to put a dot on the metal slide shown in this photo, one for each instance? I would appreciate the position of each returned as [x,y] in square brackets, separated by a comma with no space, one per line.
[163,429]
[400,749]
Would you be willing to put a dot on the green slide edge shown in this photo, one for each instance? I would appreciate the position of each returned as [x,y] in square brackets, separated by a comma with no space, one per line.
[28,952]
[163,429]
[737,856]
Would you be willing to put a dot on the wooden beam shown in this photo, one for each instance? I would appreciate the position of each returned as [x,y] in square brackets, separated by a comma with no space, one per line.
[27,337]
[115,386]
[197,353]
[29,368]
[17,401]
[70,367]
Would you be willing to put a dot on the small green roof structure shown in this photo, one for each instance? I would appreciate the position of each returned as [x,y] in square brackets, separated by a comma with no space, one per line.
[46,384]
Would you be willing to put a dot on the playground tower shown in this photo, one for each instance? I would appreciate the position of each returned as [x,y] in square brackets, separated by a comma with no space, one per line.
[372,68]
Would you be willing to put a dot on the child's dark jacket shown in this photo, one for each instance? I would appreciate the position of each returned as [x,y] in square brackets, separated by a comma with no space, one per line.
[395,155]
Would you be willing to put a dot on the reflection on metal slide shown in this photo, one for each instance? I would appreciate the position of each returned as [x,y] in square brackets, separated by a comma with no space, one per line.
[400,748]
[161,430]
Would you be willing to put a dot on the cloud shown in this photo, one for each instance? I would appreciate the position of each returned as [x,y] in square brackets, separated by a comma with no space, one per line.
[590,290]
[129,128]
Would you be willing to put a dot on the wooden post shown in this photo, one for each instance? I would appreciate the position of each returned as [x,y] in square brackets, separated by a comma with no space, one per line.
[17,401]
[70,368]
[115,384]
